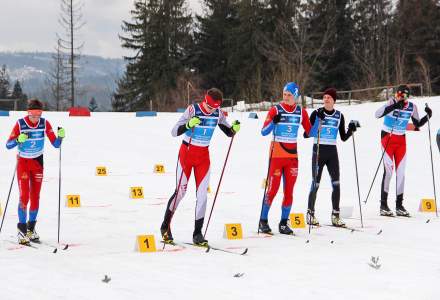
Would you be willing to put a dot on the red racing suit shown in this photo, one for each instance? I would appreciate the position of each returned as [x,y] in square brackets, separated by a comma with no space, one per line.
[284,156]
[30,163]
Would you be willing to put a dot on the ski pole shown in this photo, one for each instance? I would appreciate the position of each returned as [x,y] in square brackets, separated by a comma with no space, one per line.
[357,180]
[381,159]
[9,195]
[59,202]
[438,139]
[432,163]
[266,183]
[59,195]
[218,186]
[315,173]
[176,193]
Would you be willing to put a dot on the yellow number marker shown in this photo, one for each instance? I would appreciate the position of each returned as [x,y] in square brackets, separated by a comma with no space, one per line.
[233,232]
[101,171]
[297,220]
[263,184]
[137,192]
[209,189]
[145,243]
[427,205]
[73,201]
[159,169]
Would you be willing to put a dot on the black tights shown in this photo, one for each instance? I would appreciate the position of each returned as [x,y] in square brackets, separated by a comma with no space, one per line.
[328,156]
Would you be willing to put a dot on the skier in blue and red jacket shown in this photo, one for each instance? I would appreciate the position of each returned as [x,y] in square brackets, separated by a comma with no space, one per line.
[28,134]
[284,121]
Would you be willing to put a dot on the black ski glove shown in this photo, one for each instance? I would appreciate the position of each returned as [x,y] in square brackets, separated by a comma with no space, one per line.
[399,105]
[353,125]
[320,113]
[428,111]
[276,119]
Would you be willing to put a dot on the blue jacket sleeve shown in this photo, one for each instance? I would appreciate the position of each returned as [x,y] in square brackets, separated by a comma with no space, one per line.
[267,129]
[11,144]
[57,142]
[315,128]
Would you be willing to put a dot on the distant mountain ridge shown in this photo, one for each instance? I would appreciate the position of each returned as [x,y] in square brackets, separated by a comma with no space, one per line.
[97,75]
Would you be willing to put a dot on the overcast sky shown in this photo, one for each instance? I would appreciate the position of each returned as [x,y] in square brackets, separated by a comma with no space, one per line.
[31,25]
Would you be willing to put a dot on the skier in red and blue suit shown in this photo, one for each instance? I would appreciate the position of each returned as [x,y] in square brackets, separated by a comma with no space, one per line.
[197,124]
[283,120]
[28,134]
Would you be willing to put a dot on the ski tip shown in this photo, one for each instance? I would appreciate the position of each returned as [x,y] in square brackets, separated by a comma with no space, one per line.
[427,221]
[64,248]
[207,249]
[245,251]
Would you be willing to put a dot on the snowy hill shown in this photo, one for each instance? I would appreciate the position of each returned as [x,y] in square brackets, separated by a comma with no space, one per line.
[334,264]
[97,75]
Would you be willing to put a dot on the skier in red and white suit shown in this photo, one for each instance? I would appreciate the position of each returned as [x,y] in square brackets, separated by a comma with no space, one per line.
[397,112]
[197,124]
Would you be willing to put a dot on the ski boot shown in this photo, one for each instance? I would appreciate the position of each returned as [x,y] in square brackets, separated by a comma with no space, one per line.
[263,227]
[284,228]
[400,210]
[31,233]
[311,219]
[165,229]
[336,220]
[385,210]
[167,236]
[22,237]
[199,240]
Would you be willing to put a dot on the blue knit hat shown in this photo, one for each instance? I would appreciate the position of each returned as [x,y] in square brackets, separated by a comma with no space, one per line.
[292,88]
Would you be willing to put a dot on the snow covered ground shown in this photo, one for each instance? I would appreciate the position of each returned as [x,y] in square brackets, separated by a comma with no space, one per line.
[101,234]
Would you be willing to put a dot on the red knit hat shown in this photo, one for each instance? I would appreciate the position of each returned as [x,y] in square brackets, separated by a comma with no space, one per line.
[331,92]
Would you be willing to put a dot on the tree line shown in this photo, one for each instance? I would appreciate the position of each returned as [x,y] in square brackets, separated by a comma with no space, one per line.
[250,48]
[9,91]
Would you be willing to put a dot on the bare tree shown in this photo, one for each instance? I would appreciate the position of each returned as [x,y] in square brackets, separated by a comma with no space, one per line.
[400,66]
[372,42]
[298,55]
[71,19]
[425,72]
[56,80]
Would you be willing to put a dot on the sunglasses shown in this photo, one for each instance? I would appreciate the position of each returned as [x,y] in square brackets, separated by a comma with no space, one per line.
[35,112]
[210,107]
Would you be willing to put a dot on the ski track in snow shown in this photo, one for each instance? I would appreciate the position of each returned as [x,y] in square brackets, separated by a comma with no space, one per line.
[332,265]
